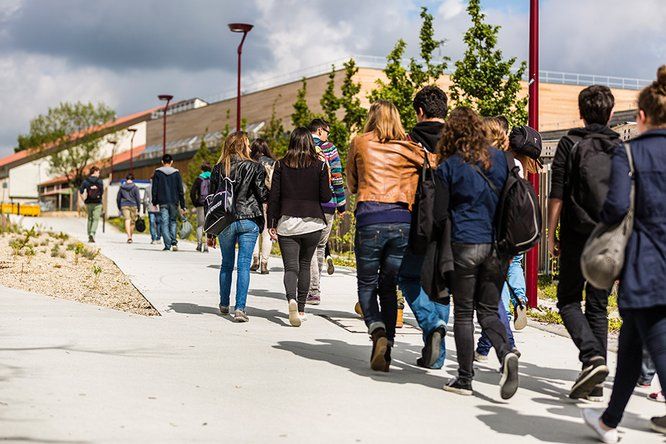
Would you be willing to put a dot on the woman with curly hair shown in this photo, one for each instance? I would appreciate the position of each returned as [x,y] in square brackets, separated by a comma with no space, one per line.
[469,165]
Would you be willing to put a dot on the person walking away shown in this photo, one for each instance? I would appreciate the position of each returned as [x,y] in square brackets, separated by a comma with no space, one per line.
[641,298]
[93,188]
[478,274]
[249,188]
[524,143]
[200,189]
[319,130]
[579,183]
[296,218]
[261,152]
[430,104]
[382,170]
[128,200]
[168,194]
[153,211]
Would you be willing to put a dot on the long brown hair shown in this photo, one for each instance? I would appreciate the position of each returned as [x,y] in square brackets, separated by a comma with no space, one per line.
[236,144]
[463,134]
[260,148]
[384,122]
[301,152]
[496,134]
[652,99]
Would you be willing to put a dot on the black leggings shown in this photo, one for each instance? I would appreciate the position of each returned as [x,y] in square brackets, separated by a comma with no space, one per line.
[297,252]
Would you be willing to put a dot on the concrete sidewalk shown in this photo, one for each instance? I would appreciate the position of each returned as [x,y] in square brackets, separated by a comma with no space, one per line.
[72,372]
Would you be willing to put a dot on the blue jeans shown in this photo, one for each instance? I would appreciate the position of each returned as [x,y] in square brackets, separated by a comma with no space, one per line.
[379,249]
[516,279]
[168,216]
[648,370]
[484,345]
[155,220]
[429,314]
[244,233]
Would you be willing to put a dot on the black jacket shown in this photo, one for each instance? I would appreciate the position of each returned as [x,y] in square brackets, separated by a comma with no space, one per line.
[250,190]
[298,192]
[94,188]
[168,187]
[427,134]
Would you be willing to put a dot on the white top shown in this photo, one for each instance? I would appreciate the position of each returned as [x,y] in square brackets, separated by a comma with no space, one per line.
[519,164]
[293,226]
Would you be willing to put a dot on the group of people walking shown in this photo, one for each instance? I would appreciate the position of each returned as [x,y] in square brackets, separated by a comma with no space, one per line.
[595,179]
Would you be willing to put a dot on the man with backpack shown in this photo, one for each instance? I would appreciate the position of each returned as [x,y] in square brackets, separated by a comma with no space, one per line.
[580,175]
[167,192]
[329,153]
[200,189]
[93,187]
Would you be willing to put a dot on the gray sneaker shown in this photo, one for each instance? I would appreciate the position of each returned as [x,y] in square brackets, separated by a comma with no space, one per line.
[174,248]
[224,309]
[240,316]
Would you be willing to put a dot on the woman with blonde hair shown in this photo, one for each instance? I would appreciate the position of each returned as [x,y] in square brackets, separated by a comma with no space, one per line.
[247,178]
[382,170]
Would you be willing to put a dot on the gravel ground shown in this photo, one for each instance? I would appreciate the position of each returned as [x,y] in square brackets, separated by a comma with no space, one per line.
[56,265]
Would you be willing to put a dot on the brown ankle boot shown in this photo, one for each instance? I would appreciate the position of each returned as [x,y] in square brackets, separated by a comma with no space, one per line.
[255,264]
[264,268]
[399,321]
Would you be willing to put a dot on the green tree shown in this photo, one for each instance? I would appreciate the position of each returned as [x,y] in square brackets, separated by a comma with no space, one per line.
[302,114]
[275,134]
[331,104]
[203,155]
[404,82]
[72,130]
[354,113]
[483,80]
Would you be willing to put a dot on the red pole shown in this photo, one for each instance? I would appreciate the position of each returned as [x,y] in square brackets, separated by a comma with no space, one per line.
[532,263]
[238,92]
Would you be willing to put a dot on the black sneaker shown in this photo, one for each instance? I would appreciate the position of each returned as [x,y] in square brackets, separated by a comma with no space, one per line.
[380,344]
[594,373]
[433,344]
[509,380]
[597,394]
[91,239]
[387,357]
[658,424]
[456,385]
[516,352]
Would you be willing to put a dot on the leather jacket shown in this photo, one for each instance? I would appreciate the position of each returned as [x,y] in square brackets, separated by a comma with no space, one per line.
[250,192]
[385,172]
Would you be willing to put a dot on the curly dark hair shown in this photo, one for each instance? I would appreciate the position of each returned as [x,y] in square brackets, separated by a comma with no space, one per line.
[463,134]
[432,101]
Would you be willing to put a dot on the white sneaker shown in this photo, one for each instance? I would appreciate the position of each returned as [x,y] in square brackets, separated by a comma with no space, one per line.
[478,357]
[592,418]
[303,317]
[294,319]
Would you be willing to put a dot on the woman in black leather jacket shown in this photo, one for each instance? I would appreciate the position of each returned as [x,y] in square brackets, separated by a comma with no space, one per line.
[250,193]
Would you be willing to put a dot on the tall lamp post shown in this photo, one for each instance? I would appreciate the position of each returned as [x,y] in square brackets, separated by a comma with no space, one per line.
[113,153]
[168,98]
[532,263]
[244,28]
[106,201]
[133,132]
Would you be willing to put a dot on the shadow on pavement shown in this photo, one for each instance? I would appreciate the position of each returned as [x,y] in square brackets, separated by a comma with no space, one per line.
[274,316]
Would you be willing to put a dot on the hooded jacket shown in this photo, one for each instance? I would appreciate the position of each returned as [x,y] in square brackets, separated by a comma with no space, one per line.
[195,192]
[94,188]
[129,196]
[427,134]
[168,187]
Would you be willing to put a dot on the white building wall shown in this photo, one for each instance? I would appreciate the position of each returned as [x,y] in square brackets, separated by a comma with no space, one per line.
[123,137]
[23,179]
[4,189]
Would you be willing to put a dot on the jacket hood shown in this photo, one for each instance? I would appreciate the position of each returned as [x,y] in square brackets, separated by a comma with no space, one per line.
[594,128]
[167,170]
[127,186]
[94,179]
[427,134]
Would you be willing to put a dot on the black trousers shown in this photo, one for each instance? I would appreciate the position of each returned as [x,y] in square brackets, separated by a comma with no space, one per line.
[477,284]
[297,252]
[588,330]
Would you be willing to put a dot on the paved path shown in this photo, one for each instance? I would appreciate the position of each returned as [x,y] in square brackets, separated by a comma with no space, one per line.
[72,372]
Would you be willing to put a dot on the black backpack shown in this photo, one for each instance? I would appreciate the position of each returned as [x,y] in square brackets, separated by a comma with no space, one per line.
[589,169]
[518,216]
[427,211]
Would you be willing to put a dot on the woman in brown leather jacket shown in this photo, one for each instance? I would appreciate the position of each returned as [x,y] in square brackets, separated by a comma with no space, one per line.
[382,170]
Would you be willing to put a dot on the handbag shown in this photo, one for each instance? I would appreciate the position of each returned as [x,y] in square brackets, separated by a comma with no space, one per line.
[220,208]
[603,255]
[140,224]
[185,228]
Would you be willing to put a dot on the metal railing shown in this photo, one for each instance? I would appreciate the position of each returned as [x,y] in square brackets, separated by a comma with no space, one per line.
[377,62]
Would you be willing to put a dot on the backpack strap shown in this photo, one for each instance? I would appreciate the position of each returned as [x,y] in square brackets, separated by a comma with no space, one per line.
[487,179]
[632,174]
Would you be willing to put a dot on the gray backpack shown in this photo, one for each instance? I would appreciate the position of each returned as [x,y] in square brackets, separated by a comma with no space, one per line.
[603,256]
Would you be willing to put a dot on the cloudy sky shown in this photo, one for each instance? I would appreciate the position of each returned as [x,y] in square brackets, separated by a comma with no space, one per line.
[125,52]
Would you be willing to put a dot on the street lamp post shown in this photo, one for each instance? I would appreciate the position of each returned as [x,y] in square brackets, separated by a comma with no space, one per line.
[532,262]
[113,153]
[168,98]
[133,132]
[244,28]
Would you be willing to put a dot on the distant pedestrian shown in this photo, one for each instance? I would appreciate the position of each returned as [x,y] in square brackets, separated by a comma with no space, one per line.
[167,192]
[261,152]
[153,211]
[200,189]
[320,129]
[383,171]
[93,188]
[641,298]
[249,194]
[295,216]
[129,204]
[579,183]
[470,165]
